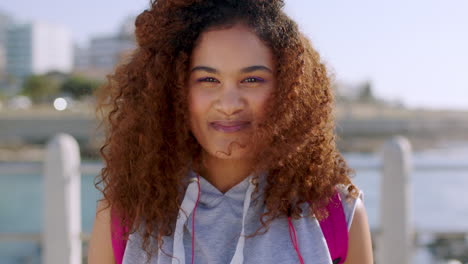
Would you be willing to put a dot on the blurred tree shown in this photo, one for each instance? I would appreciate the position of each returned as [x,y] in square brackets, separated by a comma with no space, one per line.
[366,95]
[40,88]
[2,95]
[79,87]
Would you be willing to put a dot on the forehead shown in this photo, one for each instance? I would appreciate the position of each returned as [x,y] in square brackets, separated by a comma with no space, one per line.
[231,48]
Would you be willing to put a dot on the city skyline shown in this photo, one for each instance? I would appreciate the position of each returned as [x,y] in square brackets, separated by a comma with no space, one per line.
[414,51]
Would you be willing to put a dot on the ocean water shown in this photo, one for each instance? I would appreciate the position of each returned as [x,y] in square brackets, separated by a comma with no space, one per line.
[437,201]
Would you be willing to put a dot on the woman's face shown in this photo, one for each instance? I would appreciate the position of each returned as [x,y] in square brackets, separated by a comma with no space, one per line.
[231,78]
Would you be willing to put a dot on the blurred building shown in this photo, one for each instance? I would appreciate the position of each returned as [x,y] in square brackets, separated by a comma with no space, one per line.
[81,58]
[38,48]
[5,21]
[105,52]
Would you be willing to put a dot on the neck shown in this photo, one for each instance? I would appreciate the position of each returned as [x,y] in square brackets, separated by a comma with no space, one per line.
[224,173]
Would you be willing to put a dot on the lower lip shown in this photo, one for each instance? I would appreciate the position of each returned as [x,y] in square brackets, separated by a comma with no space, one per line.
[229,129]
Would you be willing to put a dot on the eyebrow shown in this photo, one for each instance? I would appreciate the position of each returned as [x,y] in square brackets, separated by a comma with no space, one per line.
[243,70]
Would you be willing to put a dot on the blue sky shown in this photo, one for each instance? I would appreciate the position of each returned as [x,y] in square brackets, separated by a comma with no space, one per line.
[415,51]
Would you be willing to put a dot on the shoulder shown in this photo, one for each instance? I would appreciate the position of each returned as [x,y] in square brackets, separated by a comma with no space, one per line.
[350,204]
[360,244]
[100,245]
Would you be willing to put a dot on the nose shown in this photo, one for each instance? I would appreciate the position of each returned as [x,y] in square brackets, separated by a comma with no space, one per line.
[230,101]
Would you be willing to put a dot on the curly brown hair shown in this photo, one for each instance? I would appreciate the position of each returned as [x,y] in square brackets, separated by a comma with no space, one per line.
[149,148]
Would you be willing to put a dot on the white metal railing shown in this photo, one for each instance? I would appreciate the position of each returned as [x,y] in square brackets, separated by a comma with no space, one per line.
[21,168]
[61,236]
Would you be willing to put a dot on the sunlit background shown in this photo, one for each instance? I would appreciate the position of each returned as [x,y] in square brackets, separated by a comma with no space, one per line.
[398,68]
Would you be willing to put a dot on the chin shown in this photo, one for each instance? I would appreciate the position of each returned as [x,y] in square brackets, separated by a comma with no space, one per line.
[235,154]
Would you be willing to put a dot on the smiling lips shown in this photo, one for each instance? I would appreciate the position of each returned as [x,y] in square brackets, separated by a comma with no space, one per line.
[229,126]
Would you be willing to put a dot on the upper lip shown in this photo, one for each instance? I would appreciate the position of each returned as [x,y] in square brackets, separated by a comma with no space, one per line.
[230,122]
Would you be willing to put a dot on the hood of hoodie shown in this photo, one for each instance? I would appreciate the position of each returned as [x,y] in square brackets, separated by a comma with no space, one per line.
[211,197]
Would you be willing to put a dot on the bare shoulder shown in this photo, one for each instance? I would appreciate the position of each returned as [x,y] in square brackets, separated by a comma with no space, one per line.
[360,245]
[100,245]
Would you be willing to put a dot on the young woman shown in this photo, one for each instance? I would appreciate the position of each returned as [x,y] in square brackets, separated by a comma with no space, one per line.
[220,144]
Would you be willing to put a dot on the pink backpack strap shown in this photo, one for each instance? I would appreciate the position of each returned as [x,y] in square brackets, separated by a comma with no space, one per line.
[335,230]
[118,242]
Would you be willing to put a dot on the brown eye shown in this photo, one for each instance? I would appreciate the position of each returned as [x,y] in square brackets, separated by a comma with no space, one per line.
[207,79]
[253,80]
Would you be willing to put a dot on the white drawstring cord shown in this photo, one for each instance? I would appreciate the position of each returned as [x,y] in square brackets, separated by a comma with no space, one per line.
[186,208]
[238,257]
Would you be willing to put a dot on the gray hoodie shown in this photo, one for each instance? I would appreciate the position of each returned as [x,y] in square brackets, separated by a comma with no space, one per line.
[222,220]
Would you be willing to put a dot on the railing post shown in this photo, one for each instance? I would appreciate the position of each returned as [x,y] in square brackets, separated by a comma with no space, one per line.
[395,243]
[62,208]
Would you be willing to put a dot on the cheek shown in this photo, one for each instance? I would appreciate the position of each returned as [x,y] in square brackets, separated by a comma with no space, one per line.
[197,108]
[259,102]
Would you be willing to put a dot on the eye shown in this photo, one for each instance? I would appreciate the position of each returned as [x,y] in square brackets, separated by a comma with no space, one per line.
[207,79]
[253,80]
